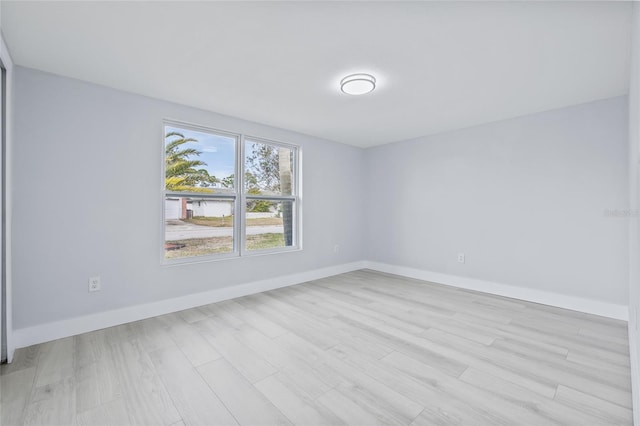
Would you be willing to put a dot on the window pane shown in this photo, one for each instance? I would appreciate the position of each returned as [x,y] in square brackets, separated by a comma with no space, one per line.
[268,169]
[269,224]
[197,226]
[198,161]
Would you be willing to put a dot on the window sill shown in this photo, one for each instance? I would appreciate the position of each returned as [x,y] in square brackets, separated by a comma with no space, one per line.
[226,256]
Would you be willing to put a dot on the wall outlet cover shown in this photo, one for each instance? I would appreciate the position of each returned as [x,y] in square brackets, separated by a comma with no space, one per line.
[94,284]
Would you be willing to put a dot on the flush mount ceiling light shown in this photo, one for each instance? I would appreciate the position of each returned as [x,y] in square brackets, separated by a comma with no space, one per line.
[358,84]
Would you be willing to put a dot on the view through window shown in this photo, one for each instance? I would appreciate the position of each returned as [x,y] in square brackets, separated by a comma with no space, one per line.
[210,213]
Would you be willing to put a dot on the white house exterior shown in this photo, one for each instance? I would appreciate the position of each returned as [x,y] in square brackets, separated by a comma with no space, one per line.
[173,208]
[177,208]
[210,208]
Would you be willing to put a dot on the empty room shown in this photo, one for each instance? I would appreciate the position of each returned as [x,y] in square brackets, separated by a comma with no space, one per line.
[319,213]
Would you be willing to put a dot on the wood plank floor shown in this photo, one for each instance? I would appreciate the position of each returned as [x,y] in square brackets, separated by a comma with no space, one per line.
[361,348]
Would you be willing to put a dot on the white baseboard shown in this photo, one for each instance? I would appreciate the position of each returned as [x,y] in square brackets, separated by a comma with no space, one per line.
[635,374]
[574,303]
[70,327]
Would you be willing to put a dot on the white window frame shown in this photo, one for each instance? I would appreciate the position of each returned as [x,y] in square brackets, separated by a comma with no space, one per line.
[239,196]
[294,197]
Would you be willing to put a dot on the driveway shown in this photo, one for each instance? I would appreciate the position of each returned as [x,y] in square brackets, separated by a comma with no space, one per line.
[179,230]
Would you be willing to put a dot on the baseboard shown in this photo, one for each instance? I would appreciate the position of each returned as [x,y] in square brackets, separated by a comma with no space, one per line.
[635,374]
[70,327]
[605,309]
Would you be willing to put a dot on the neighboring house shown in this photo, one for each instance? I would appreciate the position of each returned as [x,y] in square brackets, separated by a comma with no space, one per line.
[176,208]
[173,209]
[206,207]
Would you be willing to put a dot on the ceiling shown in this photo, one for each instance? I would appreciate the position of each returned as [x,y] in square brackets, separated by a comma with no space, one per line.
[439,65]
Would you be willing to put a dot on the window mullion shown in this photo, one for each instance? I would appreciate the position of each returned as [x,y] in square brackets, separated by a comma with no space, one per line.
[213,195]
[240,222]
[271,197]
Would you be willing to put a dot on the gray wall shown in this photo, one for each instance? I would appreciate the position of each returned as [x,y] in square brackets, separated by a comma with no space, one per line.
[525,199]
[634,205]
[87,185]
[6,315]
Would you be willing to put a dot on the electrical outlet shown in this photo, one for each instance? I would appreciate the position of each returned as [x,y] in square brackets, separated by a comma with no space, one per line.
[460,257]
[94,284]
[336,248]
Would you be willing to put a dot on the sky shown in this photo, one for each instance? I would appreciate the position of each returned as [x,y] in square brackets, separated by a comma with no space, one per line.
[217,151]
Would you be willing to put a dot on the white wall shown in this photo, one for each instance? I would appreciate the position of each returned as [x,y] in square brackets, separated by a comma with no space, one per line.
[83,142]
[524,199]
[634,205]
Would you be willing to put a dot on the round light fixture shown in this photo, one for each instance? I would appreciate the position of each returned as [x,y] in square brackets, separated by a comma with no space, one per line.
[358,84]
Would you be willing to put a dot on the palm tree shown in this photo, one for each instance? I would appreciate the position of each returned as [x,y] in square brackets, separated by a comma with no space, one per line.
[181,172]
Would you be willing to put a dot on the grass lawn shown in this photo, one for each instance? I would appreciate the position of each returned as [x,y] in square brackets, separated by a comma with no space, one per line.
[227,221]
[213,245]
[200,247]
[265,241]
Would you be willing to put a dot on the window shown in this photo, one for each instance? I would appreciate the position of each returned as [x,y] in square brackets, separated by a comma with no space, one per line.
[269,195]
[208,213]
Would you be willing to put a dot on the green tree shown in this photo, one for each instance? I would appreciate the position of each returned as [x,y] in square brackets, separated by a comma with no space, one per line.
[271,166]
[181,169]
[228,181]
[249,181]
[264,167]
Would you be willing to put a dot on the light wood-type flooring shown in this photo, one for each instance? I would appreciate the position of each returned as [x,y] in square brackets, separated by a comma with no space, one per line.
[362,348]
